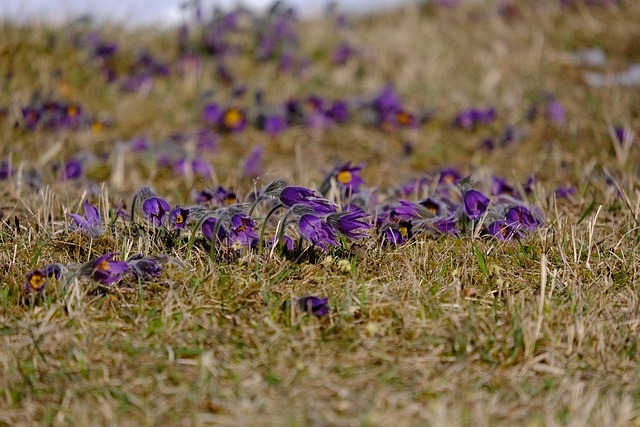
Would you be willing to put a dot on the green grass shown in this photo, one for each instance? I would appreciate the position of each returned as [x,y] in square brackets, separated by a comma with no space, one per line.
[471,331]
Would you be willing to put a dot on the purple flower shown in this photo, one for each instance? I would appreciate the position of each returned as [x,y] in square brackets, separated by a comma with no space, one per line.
[316,231]
[299,195]
[209,228]
[178,217]
[212,113]
[397,233]
[501,186]
[90,222]
[198,166]
[338,112]
[242,229]
[348,177]
[501,230]
[475,204]
[107,271]
[55,270]
[253,162]
[350,224]
[36,281]
[564,191]
[233,119]
[313,305]
[5,170]
[144,268]
[155,208]
[72,170]
[446,226]
[342,53]
[404,210]
[519,217]
[449,176]
[555,112]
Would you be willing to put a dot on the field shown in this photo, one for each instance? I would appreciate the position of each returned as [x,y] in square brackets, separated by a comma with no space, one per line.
[424,217]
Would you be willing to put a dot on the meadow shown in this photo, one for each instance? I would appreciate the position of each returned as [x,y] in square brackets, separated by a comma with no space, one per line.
[428,216]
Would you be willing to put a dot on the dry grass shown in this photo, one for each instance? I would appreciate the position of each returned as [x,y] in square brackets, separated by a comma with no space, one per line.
[545,334]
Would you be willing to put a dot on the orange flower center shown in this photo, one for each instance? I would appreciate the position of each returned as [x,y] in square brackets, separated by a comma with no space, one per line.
[232,118]
[37,281]
[104,266]
[344,177]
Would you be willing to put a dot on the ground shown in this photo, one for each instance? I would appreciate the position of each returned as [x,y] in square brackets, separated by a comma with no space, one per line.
[445,330]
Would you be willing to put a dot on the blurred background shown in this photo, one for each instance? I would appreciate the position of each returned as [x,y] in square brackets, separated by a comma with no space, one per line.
[165,12]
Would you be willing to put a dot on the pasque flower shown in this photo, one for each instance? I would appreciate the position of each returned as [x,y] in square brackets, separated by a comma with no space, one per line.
[299,195]
[144,268]
[242,229]
[155,208]
[475,204]
[350,224]
[36,281]
[105,269]
[178,217]
[317,231]
[90,222]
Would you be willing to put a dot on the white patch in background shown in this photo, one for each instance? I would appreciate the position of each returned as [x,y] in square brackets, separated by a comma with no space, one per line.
[163,12]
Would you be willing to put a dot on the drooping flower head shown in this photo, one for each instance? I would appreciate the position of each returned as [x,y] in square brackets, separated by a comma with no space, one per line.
[317,231]
[475,204]
[350,224]
[143,267]
[299,195]
[107,271]
[155,208]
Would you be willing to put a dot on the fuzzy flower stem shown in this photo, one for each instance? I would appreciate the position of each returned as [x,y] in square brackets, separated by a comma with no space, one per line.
[195,229]
[264,225]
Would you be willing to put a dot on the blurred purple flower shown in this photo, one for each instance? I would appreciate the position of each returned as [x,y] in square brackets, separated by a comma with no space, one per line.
[317,231]
[72,170]
[198,167]
[107,271]
[36,281]
[313,305]
[501,230]
[519,217]
[475,204]
[253,162]
[144,268]
[233,119]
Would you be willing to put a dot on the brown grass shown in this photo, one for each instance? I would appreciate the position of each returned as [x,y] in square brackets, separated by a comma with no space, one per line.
[547,334]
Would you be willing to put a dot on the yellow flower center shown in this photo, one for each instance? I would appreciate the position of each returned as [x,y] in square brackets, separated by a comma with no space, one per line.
[344,177]
[179,219]
[104,266]
[232,118]
[403,231]
[72,111]
[96,126]
[404,118]
[37,281]
[230,199]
